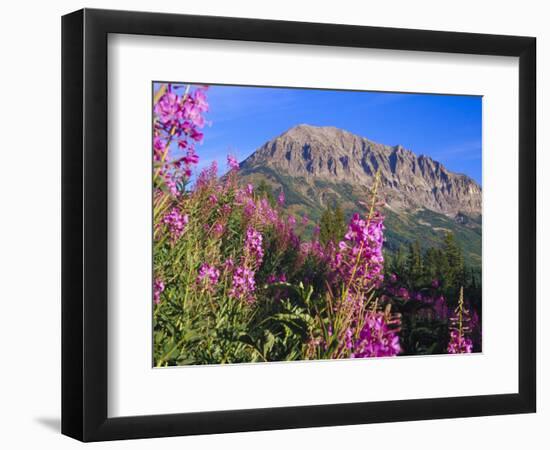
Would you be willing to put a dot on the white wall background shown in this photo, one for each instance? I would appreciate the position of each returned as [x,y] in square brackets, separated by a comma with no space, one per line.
[30,226]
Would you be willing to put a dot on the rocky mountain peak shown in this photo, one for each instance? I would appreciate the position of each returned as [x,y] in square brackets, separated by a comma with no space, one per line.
[331,155]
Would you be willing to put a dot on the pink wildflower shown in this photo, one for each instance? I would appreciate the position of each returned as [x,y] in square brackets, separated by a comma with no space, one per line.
[360,253]
[459,343]
[376,338]
[243,285]
[208,276]
[175,222]
[281,198]
[253,245]
[218,229]
[232,162]
[158,288]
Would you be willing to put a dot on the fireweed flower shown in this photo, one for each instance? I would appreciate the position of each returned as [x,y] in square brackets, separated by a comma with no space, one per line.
[196,135]
[243,285]
[200,99]
[167,109]
[264,213]
[459,343]
[281,198]
[172,184]
[158,288]
[193,109]
[232,162]
[348,339]
[208,276]
[276,279]
[253,245]
[218,229]
[403,293]
[359,255]
[207,176]
[191,158]
[178,119]
[175,222]
[376,338]
[158,148]
[241,197]
[250,208]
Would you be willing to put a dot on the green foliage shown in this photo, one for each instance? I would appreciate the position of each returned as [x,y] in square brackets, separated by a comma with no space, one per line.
[422,332]
[264,190]
[455,275]
[430,228]
[332,225]
[402,228]
[414,265]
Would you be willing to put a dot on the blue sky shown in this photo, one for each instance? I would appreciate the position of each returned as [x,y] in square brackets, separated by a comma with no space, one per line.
[445,127]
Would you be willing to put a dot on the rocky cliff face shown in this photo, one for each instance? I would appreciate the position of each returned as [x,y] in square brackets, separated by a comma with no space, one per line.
[319,158]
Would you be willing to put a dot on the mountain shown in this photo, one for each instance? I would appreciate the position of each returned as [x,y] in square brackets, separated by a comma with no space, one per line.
[318,167]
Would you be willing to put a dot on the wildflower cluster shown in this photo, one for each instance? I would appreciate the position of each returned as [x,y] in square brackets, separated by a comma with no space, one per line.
[253,246]
[376,338]
[175,222]
[359,256]
[243,285]
[208,276]
[178,119]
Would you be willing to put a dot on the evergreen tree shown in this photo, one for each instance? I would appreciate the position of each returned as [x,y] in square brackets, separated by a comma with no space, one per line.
[339,222]
[333,225]
[430,268]
[398,263]
[414,265]
[455,259]
[442,269]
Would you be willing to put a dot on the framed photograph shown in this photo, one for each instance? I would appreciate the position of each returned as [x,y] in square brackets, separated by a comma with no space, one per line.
[273,225]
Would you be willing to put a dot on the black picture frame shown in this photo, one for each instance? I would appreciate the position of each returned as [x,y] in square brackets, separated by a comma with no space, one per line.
[84,224]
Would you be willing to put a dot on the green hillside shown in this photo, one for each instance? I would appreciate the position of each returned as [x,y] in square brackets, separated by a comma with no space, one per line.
[311,198]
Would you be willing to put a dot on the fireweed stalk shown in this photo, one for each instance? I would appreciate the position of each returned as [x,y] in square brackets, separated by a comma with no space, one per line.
[356,328]
[458,341]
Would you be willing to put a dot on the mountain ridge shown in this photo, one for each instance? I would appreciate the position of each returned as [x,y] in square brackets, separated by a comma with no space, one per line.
[331,154]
